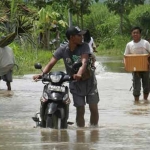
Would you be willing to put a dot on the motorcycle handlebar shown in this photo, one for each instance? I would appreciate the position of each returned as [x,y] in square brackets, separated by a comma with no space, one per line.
[67,78]
[46,78]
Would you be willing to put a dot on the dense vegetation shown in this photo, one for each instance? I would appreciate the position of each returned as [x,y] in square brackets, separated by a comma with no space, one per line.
[41,26]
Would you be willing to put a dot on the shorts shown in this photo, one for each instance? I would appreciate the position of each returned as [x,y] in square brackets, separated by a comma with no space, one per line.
[7,77]
[141,79]
[82,100]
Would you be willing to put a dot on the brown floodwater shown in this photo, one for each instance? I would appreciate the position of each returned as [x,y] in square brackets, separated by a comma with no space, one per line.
[123,124]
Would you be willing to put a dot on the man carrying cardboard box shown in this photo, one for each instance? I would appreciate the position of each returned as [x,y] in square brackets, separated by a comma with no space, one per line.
[139,46]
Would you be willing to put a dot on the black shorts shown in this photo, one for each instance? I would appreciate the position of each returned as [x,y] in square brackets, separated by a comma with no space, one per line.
[82,100]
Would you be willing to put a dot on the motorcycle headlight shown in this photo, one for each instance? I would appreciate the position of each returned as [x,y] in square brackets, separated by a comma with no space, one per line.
[55,78]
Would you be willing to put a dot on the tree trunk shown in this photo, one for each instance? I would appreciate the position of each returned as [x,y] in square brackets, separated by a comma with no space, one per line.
[81,14]
[78,20]
[121,23]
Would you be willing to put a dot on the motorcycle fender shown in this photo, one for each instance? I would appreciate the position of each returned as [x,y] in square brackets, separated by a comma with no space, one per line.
[52,107]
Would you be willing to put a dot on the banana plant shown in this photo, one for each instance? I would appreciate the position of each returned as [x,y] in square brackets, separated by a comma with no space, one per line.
[30,24]
[47,21]
[19,24]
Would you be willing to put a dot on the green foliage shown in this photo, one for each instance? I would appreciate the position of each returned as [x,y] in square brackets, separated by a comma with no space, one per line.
[122,6]
[140,16]
[103,25]
[97,21]
[39,3]
[48,19]
[115,45]
[25,59]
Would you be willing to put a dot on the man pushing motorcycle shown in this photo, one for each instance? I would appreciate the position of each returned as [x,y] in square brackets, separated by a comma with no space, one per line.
[83,87]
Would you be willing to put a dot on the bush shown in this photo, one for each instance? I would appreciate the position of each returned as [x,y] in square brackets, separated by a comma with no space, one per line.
[25,59]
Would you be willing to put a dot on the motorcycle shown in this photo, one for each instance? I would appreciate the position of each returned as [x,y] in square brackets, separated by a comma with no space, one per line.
[54,111]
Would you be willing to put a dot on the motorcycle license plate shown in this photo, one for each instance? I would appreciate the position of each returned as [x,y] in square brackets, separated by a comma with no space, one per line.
[56,88]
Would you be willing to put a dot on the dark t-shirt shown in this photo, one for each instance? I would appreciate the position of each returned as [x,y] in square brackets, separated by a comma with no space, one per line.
[70,57]
[82,88]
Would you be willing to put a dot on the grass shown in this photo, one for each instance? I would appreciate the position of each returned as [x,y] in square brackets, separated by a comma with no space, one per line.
[26,58]
[110,52]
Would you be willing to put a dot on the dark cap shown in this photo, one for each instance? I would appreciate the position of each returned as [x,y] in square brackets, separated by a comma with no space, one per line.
[74,30]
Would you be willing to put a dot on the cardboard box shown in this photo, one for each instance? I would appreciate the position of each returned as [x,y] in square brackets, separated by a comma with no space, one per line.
[136,62]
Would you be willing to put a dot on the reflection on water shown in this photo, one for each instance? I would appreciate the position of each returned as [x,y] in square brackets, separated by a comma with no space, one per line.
[4,93]
[123,124]
[142,108]
[80,139]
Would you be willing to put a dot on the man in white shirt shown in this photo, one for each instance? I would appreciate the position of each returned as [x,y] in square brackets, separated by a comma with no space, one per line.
[139,46]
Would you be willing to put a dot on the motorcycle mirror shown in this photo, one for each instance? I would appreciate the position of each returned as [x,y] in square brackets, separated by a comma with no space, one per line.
[37,66]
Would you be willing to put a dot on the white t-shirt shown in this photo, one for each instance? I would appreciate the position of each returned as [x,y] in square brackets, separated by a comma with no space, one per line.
[142,47]
[91,45]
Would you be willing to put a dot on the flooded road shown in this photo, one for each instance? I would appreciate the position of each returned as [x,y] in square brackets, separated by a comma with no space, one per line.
[123,124]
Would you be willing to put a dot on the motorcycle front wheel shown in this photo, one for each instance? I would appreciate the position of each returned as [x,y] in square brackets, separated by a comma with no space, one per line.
[52,121]
[49,121]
